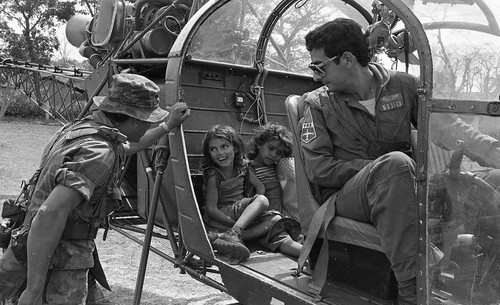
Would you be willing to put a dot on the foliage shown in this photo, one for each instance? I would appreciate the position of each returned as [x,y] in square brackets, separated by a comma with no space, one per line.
[461,72]
[69,63]
[19,105]
[90,7]
[37,20]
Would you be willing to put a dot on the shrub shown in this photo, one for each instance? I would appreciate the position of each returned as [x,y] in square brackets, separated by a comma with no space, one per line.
[23,107]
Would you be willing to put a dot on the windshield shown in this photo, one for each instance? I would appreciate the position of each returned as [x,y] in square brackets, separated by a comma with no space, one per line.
[230,35]
[463,208]
[463,36]
[464,40]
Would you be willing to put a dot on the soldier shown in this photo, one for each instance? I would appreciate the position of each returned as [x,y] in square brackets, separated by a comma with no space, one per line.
[356,142]
[75,190]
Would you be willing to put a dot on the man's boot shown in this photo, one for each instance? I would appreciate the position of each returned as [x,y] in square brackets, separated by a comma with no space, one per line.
[95,295]
[407,292]
[230,244]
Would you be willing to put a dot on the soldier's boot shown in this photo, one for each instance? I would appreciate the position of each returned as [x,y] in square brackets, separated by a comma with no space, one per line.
[230,244]
[95,295]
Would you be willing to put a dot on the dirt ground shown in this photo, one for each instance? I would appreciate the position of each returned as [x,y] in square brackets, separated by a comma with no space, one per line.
[21,145]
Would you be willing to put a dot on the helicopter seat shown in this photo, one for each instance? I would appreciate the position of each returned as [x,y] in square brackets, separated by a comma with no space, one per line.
[355,254]
[344,229]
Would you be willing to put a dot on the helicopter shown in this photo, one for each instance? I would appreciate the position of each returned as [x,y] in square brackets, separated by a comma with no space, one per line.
[243,63]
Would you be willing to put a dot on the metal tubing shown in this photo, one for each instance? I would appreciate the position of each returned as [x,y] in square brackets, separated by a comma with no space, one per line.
[147,238]
[140,242]
[90,101]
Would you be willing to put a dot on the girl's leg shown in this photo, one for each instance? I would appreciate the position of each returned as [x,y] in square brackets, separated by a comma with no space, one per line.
[290,247]
[230,243]
[253,210]
[262,228]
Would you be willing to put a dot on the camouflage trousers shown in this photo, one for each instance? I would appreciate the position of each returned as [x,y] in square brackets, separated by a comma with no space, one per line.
[63,286]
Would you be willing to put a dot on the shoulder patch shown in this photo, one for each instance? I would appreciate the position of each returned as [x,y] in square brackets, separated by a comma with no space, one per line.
[308,132]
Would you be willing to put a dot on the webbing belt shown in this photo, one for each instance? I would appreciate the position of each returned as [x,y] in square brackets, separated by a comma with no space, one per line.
[321,218]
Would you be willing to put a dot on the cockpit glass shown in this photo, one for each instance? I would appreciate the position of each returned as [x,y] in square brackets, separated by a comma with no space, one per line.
[463,209]
[231,33]
[464,37]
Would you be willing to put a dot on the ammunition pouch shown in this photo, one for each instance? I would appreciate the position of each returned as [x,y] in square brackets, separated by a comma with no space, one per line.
[12,218]
[379,148]
[19,239]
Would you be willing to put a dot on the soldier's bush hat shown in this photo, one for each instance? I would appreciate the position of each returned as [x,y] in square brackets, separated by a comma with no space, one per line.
[133,95]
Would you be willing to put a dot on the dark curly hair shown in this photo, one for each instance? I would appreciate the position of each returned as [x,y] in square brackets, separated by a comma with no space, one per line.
[268,132]
[338,36]
[228,133]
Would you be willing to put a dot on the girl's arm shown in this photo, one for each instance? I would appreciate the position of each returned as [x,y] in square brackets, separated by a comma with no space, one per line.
[255,182]
[211,202]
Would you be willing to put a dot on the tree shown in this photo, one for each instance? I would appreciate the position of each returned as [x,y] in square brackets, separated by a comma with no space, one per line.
[37,20]
[461,72]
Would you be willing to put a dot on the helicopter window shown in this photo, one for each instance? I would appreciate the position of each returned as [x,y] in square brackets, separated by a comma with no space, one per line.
[463,209]
[464,37]
[286,49]
[230,34]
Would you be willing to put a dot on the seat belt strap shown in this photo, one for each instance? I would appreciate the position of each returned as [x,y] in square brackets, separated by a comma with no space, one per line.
[321,218]
[312,233]
[320,271]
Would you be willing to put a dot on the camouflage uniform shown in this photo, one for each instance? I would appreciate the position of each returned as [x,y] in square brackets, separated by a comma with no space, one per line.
[86,164]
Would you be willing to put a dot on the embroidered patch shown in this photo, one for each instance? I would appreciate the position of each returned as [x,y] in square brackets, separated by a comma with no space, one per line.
[390,102]
[308,132]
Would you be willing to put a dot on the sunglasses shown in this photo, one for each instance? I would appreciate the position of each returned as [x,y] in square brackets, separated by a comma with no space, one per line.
[318,68]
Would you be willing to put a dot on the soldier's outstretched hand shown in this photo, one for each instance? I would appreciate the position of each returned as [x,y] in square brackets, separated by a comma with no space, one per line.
[178,114]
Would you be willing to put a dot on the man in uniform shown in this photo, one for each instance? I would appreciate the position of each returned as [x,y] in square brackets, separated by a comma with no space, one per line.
[75,190]
[356,142]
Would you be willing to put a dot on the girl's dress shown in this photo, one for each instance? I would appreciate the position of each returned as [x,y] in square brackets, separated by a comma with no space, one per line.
[233,192]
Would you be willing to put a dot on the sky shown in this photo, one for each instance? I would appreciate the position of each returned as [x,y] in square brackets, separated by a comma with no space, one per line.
[66,49]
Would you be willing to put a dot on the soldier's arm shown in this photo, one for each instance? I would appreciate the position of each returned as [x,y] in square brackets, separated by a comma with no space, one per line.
[178,114]
[44,235]
[321,165]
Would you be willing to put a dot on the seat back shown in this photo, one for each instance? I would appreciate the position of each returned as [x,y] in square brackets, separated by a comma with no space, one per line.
[308,203]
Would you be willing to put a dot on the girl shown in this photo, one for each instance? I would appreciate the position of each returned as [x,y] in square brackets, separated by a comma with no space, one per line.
[225,180]
[269,145]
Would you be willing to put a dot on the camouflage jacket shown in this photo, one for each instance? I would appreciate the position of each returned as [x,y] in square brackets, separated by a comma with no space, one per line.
[89,162]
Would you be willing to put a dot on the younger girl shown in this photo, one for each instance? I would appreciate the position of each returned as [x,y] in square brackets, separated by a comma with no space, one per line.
[225,180]
[269,145]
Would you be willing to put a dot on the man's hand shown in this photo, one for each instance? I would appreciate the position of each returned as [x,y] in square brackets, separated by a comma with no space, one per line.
[178,114]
